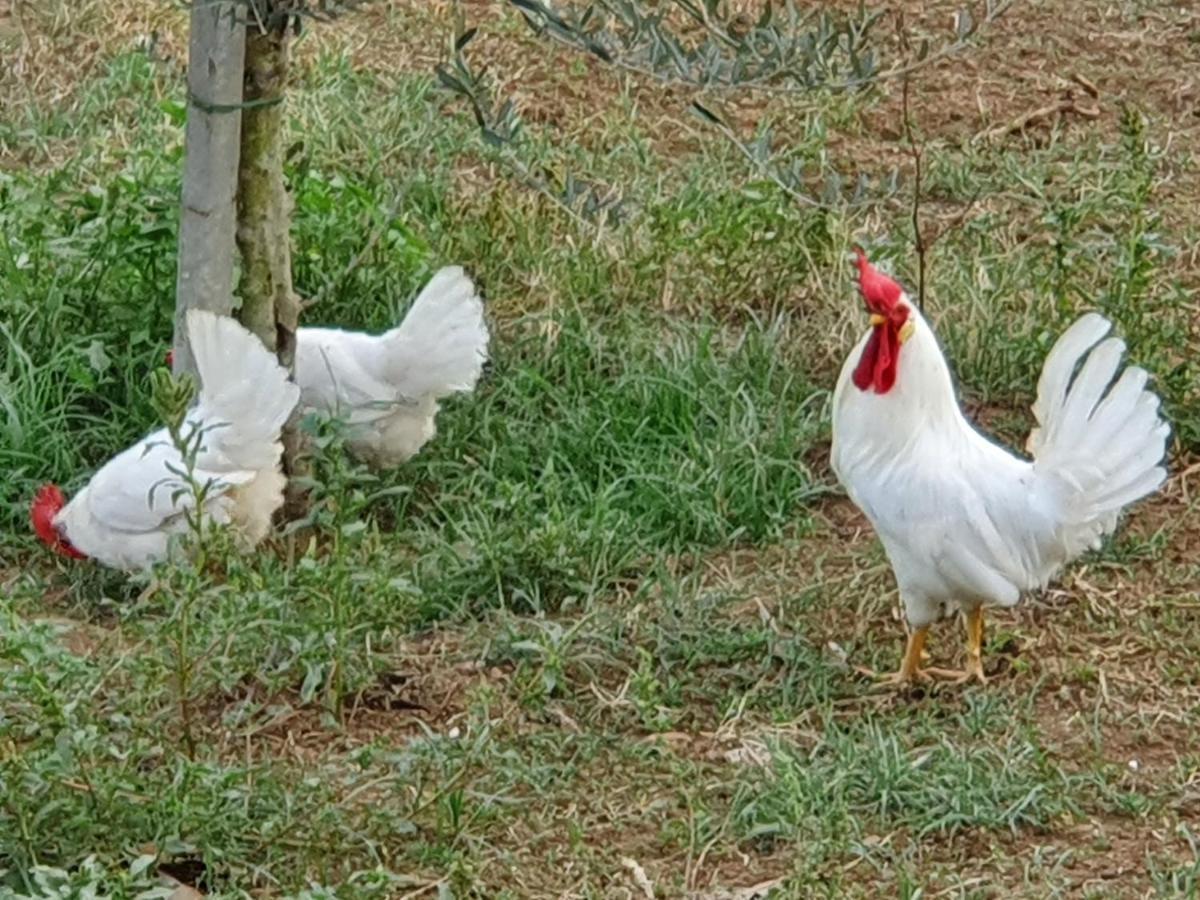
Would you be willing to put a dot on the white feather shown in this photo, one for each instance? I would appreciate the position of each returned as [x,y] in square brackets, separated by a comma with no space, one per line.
[125,516]
[1057,370]
[387,386]
[964,521]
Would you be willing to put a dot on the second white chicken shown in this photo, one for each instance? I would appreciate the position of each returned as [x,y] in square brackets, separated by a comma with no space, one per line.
[387,386]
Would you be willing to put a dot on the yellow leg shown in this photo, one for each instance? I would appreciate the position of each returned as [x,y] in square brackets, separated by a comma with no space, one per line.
[974,667]
[910,667]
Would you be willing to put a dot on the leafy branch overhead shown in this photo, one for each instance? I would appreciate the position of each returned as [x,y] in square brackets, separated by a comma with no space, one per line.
[702,44]
[807,185]
[501,128]
[706,46]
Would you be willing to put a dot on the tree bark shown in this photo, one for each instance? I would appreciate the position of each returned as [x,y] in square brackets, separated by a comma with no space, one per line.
[207,215]
[270,307]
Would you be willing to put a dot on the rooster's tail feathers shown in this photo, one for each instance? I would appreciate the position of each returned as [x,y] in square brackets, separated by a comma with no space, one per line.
[1056,373]
[441,345]
[1101,441]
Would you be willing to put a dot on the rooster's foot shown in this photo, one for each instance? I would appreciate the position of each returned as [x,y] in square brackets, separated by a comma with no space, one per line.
[973,672]
[926,675]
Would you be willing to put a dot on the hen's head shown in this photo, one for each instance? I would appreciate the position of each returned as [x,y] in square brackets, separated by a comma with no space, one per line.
[170,358]
[45,507]
[890,327]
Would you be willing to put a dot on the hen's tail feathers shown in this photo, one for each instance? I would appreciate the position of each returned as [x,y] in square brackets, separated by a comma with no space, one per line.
[442,344]
[1100,442]
[242,386]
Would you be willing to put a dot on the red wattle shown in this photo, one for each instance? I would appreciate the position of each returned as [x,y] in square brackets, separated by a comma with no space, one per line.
[877,366]
[864,372]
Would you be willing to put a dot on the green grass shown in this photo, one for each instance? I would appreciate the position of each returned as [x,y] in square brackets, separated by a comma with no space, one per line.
[610,612]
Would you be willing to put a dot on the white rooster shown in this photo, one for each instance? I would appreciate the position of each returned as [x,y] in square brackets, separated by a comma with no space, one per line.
[964,522]
[125,516]
[387,386]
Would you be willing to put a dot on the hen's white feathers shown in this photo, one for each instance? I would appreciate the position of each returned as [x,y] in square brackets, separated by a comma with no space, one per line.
[124,517]
[242,384]
[387,386]
[963,520]
[441,345]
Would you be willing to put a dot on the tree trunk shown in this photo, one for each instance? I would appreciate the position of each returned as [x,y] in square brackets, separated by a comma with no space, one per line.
[270,308]
[216,51]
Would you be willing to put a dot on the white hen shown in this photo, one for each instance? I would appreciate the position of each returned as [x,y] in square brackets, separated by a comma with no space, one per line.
[125,516]
[964,522]
[387,386]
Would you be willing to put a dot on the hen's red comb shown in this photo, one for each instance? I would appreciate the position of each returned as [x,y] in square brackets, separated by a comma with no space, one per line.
[46,504]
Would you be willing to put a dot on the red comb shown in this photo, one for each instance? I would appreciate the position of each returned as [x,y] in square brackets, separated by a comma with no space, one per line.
[880,292]
[46,504]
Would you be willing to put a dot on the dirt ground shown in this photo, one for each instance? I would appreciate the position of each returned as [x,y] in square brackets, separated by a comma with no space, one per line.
[1105,657]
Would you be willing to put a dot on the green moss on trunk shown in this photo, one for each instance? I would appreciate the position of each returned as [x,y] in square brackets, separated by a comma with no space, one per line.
[270,307]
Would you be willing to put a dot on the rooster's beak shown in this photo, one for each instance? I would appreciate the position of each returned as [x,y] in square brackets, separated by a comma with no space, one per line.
[906,330]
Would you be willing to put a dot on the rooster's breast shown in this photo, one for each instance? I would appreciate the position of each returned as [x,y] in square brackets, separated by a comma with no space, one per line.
[958,516]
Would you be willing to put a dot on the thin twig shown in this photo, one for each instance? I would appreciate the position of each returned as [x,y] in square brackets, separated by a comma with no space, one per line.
[923,243]
[1066,105]
[916,151]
